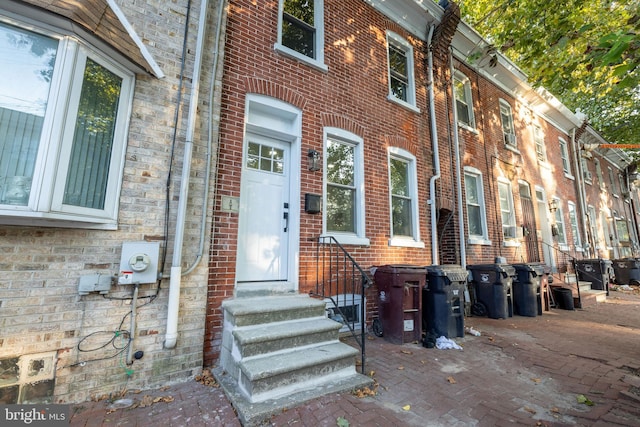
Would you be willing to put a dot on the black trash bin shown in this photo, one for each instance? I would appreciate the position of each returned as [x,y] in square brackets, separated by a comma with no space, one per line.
[492,290]
[563,297]
[627,271]
[443,301]
[526,289]
[597,271]
[400,302]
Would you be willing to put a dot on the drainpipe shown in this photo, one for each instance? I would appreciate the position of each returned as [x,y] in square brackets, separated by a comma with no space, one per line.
[176,268]
[435,259]
[456,147]
[581,191]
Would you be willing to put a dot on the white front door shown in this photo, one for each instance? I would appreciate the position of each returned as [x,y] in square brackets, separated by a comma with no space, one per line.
[264,216]
[545,229]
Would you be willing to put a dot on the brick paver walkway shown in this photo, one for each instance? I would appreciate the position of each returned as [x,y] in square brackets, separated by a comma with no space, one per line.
[524,371]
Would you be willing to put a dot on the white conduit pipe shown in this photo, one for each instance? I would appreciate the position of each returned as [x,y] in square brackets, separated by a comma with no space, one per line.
[175,280]
[435,259]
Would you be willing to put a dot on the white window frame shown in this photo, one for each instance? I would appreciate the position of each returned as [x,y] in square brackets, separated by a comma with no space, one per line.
[468,99]
[575,228]
[510,211]
[593,226]
[45,206]
[318,18]
[399,43]
[477,239]
[508,127]
[559,221]
[414,240]
[564,155]
[538,140]
[346,137]
[614,183]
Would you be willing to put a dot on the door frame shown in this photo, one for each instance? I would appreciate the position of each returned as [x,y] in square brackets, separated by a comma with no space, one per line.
[275,119]
[546,237]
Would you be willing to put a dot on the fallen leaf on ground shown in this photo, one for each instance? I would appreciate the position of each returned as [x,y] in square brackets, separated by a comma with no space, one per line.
[536,380]
[530,410]
[451,380]
[584,399]
[406,352]
[400,368]
[406,407]
[342,422]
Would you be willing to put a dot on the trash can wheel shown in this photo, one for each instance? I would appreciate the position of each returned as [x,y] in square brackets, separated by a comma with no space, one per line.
[479,309]
[377,327]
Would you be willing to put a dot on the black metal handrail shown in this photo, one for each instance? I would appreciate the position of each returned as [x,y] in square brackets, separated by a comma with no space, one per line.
[573,261]
[341,281]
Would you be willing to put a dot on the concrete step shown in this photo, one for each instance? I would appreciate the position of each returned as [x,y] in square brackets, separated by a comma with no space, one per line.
[271,337]
[260,310]
[589,298]
[277,374]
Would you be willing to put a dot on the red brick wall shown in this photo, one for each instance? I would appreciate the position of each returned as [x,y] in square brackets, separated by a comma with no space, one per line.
[352,95]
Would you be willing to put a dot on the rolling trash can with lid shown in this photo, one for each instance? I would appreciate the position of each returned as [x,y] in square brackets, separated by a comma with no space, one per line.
[400,302]
[627,271]
[443,301]
[492,285]
[526,289]
[597,271]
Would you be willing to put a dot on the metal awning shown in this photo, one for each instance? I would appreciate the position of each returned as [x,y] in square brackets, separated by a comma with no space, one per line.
[101,19]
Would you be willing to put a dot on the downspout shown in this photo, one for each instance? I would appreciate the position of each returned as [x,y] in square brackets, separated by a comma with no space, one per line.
[456,147]
[581,190]
[435,259]
[176,268]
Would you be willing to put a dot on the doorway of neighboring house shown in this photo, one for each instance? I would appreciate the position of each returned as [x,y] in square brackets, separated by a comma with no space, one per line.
[529,223]
[546,236]
[268,226]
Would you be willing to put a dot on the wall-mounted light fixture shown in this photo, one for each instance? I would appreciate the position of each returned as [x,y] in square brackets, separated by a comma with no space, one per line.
[314,160]
[553,205]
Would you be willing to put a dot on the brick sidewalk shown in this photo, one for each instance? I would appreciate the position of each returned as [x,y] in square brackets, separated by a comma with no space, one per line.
[521,371]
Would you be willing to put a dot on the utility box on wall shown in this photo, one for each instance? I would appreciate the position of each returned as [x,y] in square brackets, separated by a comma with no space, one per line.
[139,262]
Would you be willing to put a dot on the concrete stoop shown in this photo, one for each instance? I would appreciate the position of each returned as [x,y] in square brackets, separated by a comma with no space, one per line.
[280,351]
[588,296]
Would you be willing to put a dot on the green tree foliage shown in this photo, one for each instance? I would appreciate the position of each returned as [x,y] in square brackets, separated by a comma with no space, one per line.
[585,52]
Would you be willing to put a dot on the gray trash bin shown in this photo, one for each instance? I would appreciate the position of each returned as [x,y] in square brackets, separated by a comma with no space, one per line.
[627,271]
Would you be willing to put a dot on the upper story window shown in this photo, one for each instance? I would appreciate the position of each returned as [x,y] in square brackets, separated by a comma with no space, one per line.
[614,182]
[401,77]
[344,187]
[559,219]
[64,111]
[301,30]
[575,230]
[564,155]
[599,174]
[586,173]
[403,188]
[476,209]
[507,211]
[464,100]
[508,130]
[538,139]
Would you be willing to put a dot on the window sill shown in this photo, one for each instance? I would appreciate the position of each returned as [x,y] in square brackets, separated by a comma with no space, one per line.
[49,219]
[563,247]
[511,243]
[479,241]
[468,128]
[347,239]
[403,104]
[405,242]
[319,65]
[512,148]
[569,176]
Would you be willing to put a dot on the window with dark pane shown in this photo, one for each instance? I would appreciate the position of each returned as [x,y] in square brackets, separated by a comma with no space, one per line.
[298,28]
[401,198]
[341,189]
[399,72]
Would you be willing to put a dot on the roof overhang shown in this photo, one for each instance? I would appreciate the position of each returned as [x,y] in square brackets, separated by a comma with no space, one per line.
[99,22]
[412,15]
